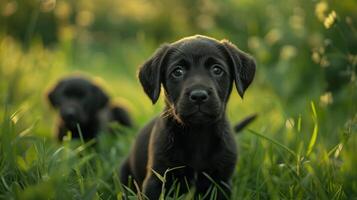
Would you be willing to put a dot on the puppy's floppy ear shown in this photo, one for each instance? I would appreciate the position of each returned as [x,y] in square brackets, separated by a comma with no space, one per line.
[243,66]
[101,99]
[53,94]
[150,73]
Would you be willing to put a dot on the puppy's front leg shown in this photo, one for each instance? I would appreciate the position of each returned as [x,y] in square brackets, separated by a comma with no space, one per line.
[152,187]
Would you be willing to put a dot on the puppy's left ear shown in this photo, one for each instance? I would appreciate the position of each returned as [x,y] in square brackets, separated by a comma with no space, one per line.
[243,66]
[101,99]
[150,73]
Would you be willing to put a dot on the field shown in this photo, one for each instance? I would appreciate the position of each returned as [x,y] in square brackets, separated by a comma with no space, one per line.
[301,146]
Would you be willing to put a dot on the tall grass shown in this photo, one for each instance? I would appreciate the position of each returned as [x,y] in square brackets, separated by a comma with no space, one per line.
[33,167]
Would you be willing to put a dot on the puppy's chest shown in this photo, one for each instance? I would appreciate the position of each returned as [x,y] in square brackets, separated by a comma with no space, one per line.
[197,153]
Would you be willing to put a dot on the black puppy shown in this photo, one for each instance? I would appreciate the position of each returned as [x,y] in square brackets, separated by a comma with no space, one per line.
[82,103]
[197,75]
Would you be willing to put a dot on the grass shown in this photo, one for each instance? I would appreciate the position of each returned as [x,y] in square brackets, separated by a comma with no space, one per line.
[278,159]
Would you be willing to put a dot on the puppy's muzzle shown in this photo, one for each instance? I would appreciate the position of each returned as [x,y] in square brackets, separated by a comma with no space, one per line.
[199,96]
[69,114]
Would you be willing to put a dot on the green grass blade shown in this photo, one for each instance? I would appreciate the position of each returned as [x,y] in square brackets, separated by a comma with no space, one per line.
[162,179]
[299,124]
[315,131]
[217,185]
[274,142]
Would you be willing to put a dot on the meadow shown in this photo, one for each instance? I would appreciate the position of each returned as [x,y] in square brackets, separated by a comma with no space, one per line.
[301,146]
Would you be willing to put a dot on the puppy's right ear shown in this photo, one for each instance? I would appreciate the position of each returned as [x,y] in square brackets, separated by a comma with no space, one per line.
[150,73]
[52,95]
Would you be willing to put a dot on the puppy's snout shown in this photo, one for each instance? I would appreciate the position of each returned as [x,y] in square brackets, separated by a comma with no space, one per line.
[198,96]
[69,113]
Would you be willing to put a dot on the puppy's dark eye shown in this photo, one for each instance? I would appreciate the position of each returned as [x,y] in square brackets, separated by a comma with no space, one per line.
[178,72]
[217,70]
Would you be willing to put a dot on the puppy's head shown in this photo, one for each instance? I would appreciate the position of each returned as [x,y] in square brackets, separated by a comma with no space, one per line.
[77,99]
[197,74]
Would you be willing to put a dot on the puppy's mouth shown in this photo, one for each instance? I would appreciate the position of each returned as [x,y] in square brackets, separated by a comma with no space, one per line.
[71,123]
[198,115]
[199,112]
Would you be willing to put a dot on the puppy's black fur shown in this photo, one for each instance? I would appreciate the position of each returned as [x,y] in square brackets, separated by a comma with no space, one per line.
[81,102]
[197,74]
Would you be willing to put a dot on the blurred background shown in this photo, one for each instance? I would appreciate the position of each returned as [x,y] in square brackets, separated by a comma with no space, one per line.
[306,53]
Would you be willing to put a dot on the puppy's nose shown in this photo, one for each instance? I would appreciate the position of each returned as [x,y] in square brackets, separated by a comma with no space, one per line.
[198,96]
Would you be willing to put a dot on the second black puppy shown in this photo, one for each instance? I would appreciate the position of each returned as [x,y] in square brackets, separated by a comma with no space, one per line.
[82,103]
[197,74]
